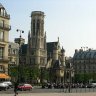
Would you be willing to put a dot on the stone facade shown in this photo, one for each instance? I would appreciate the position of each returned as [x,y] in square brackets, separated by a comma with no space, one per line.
[55,61]
[84,61]
[4,39]
[13,50]
[36,50]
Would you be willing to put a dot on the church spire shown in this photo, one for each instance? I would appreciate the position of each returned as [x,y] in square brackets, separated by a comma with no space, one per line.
[58,39]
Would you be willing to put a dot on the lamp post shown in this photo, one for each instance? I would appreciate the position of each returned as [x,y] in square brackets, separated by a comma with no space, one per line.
[21,31]
[69,76]
[19,42]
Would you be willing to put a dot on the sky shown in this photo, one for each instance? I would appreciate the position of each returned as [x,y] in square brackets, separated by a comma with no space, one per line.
[73,21]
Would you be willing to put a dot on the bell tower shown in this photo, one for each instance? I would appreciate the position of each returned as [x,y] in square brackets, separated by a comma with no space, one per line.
[38,39]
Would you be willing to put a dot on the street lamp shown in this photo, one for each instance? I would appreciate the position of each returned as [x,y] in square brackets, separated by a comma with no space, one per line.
[21,31]
[19,42]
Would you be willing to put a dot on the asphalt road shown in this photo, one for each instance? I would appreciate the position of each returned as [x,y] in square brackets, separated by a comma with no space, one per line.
[46,90]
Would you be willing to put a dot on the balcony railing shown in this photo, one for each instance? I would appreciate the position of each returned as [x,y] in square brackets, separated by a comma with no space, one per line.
[4,59]
[5,15]
[5,26]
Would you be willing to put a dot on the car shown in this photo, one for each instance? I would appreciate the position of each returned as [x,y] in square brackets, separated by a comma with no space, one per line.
[49,85]
[24,87]
[4,86]
[9,83]
[93,85]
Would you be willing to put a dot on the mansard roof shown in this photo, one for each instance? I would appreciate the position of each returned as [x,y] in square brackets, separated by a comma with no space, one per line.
[1,6]
[5,12]
[88,54]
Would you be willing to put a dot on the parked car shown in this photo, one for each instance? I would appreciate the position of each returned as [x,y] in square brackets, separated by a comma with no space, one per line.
[49,85]
[9,83]
[4,86]
[93,85]
[24,87]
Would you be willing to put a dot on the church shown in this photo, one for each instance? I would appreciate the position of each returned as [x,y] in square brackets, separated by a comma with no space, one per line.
[38,52]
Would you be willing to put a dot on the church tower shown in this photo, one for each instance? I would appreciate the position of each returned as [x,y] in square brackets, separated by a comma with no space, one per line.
[38,51]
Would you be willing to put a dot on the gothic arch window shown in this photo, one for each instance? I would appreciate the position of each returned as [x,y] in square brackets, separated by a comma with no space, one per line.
[33,27]
[42,24]
[38,26]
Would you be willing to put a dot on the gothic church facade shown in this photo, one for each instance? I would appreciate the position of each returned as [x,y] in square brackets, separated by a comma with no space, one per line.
[38,51]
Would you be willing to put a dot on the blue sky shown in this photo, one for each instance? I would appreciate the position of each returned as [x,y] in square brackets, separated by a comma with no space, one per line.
[73,21]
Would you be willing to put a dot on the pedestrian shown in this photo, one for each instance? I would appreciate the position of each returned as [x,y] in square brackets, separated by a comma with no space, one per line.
[15,88]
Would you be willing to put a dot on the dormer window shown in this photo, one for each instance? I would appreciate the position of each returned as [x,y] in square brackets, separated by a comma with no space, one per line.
[2,12]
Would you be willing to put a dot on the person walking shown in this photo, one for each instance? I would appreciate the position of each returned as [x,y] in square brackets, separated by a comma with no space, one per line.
[15,88]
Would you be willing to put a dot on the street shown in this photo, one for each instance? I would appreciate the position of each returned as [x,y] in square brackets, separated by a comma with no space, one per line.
[51,94]
[46,90]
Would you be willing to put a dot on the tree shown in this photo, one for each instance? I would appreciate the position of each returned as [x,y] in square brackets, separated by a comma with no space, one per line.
[13,72]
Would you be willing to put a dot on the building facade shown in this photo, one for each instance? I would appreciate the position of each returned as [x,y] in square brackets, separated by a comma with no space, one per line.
[55,62]
[13,50]
[36,50]
[4,39]
[84,62]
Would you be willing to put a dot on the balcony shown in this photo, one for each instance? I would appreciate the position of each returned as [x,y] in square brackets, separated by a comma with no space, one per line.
[5,15]
[4,59]
[5,27]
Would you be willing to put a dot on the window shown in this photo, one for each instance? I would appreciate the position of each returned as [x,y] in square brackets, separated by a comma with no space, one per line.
[1,68]
[33,42]
[2,23]
[42,24]
[13,51]
[1,52]
[38,24]
[1,36]
[38,27]
[42,60]
[9,46]
[32,60]
[33,27]
[2,12]
[32,52]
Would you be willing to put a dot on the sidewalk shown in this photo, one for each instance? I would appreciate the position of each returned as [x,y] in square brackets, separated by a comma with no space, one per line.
[52,94]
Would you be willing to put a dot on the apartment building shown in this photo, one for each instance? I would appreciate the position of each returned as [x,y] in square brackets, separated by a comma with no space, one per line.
[4,39]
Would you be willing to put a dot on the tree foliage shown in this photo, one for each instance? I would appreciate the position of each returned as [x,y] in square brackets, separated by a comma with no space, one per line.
[85,77]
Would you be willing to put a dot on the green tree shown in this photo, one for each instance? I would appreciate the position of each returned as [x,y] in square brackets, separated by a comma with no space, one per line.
[13,72]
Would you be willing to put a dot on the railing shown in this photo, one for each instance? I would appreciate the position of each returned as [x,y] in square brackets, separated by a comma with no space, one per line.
[5,26]
[5,15]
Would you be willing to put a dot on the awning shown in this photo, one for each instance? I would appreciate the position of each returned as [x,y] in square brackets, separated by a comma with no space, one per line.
[4,76]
